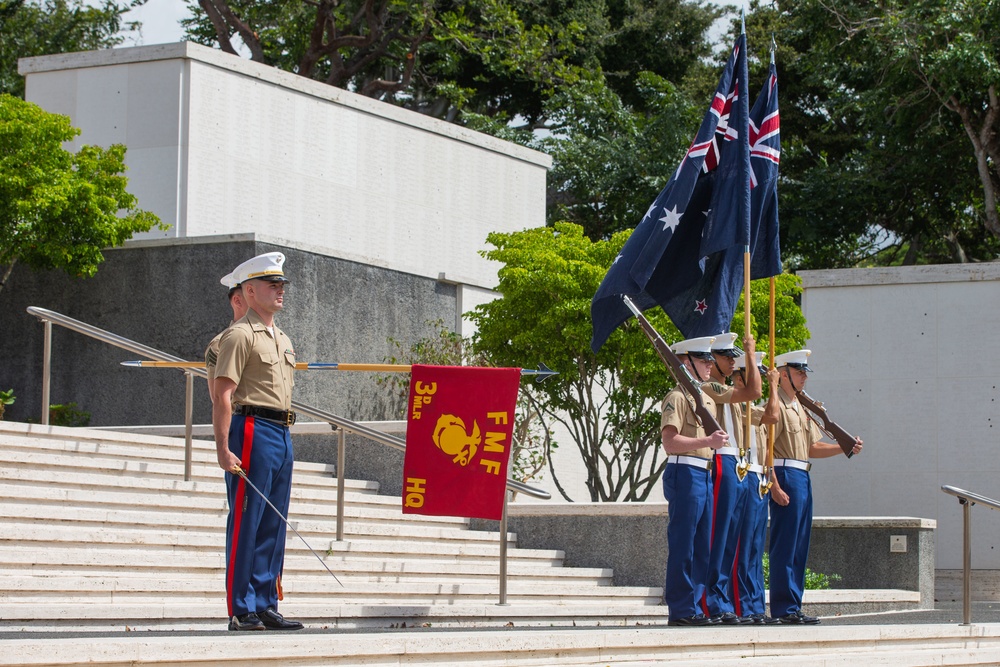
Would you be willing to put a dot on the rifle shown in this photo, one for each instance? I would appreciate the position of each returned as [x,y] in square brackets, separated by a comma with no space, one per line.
[677,369]
[830,427]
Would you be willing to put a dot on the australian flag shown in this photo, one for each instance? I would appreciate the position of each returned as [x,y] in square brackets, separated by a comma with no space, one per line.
[686,253]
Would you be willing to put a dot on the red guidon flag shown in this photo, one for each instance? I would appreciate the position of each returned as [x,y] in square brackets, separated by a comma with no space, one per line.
[458,440]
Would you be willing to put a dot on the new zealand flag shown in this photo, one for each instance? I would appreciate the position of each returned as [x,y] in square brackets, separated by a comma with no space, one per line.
[765,154]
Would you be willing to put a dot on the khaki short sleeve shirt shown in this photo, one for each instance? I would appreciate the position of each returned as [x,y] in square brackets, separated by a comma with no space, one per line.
[212,354]
[794,433]
[261,365]
[677,410]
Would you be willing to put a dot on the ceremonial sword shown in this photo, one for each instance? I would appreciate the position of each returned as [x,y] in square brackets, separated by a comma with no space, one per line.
[239,471]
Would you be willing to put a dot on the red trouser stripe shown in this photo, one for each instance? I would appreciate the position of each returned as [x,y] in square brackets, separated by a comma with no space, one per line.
[735,581]
[238,509]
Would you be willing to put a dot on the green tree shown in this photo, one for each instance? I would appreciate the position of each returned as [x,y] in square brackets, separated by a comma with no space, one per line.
[42,27]
[434,56]
[607,80]
[59,209]
[530,439]
[6,398]
[502,59]
[607,402]
[889,125]
[609,160]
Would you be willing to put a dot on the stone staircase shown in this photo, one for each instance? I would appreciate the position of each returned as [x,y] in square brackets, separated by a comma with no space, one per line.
[101,532]
[109,558]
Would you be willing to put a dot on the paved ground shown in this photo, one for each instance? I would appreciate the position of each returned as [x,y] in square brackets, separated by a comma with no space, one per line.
[944,612]
[949,613]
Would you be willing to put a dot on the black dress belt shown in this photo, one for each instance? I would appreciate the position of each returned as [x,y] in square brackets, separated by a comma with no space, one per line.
[286,417]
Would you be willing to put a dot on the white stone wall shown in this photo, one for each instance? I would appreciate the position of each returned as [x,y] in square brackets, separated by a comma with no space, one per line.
[221,145]
[908,359]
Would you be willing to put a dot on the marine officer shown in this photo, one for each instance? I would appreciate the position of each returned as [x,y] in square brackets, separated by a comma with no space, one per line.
[251,416]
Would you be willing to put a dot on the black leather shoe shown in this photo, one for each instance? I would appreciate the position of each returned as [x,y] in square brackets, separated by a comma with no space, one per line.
[245,622]
[729,618]
[761,619]
[272,620]
[798,618]
[807,620]
[692,621]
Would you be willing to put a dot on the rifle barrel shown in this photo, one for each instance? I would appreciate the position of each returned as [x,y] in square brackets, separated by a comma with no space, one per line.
[830,427]
[708,421]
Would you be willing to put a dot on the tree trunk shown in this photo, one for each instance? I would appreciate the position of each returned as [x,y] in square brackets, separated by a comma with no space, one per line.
[6,274]
[982,138]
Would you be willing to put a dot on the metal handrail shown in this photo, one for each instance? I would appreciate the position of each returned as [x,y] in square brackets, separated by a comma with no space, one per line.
[341,424]
[967,500]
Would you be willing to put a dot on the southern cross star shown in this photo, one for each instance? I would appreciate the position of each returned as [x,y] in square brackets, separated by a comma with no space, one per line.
[671,219]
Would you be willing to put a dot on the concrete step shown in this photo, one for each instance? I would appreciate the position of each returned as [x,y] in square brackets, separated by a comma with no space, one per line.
[58,460]
[19,559]
[210,615]
[819,646]
[206,480]
[84,491]
[87,447]
[367,544]
[99,589]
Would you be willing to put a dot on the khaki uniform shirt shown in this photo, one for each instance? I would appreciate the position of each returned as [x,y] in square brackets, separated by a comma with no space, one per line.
[761,435]
[794,433]
[262,366]
[677,410]
[212,353]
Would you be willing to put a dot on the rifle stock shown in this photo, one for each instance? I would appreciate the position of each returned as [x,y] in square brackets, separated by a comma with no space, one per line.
[677,369]
[832,428]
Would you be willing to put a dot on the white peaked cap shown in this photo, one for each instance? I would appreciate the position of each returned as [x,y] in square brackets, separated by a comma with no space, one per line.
[725,344]
[796,359]
[229,281]
[741,361]
[697,345]
[265,267]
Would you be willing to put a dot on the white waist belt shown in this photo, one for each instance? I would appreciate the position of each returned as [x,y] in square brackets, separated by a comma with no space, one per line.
[728,451]
[793,463]
[757,468]
[694,461]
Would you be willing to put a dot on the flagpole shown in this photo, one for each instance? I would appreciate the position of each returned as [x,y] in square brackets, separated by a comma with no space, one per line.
[748,406]
[744,93]
[769,459]
[542,371]
[769,462]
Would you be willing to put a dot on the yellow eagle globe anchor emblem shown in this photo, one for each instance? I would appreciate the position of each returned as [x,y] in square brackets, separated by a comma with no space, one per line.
[452,438]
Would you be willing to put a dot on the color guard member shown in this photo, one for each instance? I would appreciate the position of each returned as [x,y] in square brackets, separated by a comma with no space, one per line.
[796,440]
[748,579]
[729,499]
[687,486]
[239,306]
